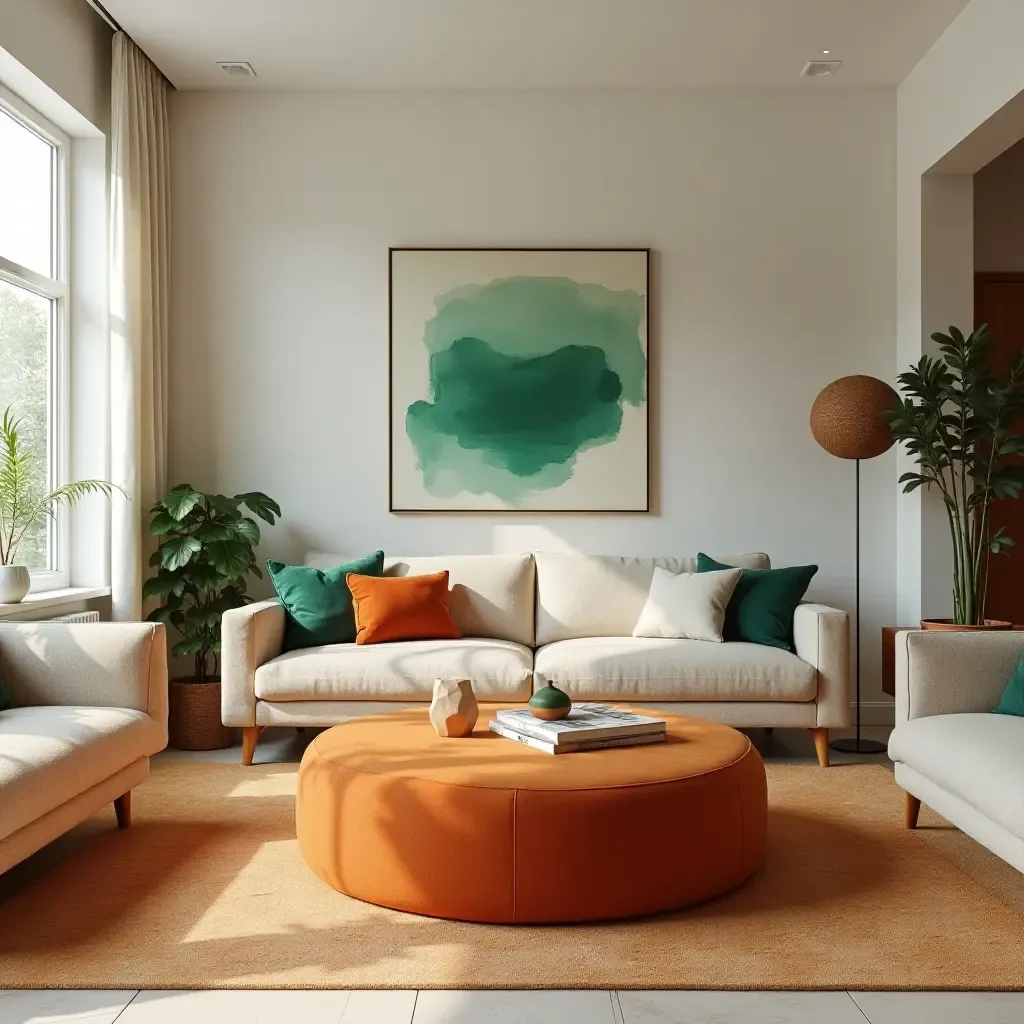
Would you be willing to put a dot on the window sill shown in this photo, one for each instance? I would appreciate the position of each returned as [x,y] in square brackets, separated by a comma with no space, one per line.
[52,600]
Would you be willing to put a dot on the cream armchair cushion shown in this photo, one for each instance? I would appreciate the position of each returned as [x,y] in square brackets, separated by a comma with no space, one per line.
[977,757]
[50,754]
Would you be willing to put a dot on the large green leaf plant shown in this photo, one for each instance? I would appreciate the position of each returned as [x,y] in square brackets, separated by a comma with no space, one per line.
[955,418]
[206,554]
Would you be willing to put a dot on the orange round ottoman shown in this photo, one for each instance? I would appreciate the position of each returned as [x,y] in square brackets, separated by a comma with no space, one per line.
[485,829]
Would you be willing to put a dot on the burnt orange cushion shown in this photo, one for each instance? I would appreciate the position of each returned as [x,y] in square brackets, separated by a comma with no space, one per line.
[402,608]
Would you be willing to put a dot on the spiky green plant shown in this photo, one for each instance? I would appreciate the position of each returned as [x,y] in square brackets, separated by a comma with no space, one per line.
[21,504]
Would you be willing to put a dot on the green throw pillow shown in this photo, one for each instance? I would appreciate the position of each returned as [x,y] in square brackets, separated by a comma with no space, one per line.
[1012,702]
[762,605]
[6,700]
[317,602]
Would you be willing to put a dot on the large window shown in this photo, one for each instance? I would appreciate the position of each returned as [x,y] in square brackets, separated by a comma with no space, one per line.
[33,313]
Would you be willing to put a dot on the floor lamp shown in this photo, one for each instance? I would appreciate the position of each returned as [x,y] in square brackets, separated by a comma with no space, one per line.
[844,421]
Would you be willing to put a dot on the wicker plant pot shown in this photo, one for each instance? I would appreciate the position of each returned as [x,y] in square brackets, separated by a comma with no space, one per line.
[194,722]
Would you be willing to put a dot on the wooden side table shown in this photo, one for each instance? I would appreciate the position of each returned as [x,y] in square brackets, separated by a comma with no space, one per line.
[889,657]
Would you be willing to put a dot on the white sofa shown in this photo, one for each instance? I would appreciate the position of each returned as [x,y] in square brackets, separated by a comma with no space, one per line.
[949,751]
[90,710]
[568,617]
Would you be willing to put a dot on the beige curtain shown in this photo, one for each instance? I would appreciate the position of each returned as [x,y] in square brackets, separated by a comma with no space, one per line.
[139,286]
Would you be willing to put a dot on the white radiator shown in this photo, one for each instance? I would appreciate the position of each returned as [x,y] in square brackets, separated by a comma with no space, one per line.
[76,617]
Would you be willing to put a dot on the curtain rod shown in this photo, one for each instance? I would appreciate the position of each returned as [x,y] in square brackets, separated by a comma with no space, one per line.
[104,14]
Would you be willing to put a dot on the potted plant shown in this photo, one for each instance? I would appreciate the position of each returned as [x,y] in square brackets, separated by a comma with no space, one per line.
[23,508]
[955,418]
[206,554]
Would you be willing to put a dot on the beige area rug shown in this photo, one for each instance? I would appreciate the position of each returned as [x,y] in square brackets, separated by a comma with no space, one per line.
[207,890]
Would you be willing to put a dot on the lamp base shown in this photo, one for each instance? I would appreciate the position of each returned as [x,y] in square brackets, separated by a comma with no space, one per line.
[858,745]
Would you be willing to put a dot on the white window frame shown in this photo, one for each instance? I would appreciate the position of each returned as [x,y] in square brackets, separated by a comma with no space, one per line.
[58,289]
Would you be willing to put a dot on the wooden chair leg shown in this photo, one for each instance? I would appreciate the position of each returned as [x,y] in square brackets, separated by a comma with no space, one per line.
[123,809]
[821,745]
[911,810]
[250,736]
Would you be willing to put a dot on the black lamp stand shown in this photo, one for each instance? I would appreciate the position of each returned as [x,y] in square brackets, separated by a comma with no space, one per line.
[858,744]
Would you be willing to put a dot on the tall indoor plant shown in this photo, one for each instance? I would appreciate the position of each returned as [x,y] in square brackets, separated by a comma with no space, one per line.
[205,557]
[25,504]
[955,417]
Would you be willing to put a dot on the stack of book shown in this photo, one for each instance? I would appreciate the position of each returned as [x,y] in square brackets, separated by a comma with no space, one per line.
[587,727]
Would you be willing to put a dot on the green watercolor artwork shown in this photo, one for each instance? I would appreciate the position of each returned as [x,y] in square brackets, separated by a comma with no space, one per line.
[525,388]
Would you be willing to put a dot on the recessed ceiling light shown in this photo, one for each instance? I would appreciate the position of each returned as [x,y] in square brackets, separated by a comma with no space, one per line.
[819,68]
[826,51]
[236,68]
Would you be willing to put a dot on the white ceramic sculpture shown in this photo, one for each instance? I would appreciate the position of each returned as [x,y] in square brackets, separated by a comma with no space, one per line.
[453,711]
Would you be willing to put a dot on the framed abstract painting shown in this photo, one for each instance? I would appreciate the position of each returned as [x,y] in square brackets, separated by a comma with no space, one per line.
[519,380]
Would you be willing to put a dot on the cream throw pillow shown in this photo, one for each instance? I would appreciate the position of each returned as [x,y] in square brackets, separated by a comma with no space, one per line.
[690,606]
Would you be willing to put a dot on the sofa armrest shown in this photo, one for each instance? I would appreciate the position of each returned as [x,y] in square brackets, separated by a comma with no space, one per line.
[821,636]
[93,664]
[250,637]
[946,673]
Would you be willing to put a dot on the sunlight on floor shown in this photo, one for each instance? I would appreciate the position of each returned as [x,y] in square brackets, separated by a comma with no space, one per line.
[268,785]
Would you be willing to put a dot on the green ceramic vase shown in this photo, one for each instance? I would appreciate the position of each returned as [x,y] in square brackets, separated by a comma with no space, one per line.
[550,703]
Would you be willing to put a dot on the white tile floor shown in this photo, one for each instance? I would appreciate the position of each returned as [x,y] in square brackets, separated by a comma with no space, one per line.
[540,1007]
[544,1007]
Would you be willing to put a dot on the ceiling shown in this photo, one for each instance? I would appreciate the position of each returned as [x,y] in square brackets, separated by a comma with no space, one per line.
[539,44]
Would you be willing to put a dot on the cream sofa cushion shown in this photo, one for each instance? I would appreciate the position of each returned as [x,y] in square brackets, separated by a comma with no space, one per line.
[499,669]
[687,605]
[637,668]
[602,595]
[977,757]
[50,754]
[491,595]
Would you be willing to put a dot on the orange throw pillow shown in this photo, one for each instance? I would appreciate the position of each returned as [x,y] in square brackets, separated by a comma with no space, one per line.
[402,608]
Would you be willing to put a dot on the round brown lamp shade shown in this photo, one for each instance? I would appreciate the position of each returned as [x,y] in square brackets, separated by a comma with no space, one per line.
[844,417]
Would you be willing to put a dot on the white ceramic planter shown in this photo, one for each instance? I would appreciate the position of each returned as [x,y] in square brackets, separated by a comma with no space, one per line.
[14,583]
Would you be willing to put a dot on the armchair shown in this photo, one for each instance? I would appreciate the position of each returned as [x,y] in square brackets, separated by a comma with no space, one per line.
[949,751]
[90,710]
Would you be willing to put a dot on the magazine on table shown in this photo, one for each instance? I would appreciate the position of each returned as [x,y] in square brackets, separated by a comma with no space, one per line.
[585,722]
[636,740]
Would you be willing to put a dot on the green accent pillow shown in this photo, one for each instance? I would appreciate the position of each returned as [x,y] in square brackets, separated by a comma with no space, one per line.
[317,602]
[6,700]
[1012,701]
[762,605]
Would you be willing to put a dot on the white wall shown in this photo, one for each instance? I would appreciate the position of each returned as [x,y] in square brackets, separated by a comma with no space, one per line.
[957,110]
[999,213]
[772,217]
[66,44]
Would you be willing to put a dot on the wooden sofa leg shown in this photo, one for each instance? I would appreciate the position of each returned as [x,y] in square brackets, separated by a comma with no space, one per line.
[821,745]
[911,810]
[250,736]
[123,809]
